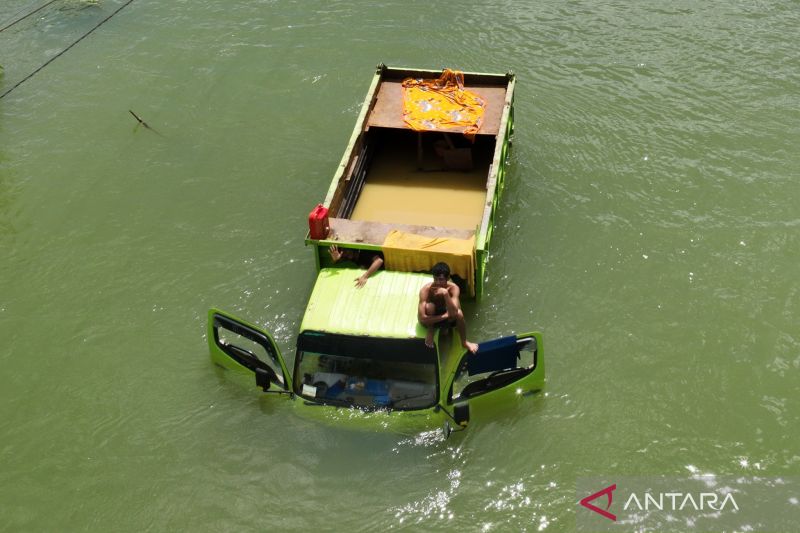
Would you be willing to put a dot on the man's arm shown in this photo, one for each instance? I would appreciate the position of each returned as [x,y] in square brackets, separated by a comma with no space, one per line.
[455,294]
[424,318]
[377,263]
[450,295]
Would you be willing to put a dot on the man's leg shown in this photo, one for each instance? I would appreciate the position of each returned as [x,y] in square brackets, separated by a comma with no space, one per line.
[430,312]
[461,324]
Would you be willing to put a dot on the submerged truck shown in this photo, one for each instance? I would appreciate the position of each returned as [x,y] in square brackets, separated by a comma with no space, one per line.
[420,182]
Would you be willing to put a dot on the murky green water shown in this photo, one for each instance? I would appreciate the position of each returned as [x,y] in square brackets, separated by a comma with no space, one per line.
[650,229]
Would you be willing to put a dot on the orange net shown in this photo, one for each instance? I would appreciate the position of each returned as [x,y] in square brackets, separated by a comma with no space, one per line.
[442,104]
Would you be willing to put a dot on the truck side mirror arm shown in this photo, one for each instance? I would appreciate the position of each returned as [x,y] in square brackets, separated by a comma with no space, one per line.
[460,416]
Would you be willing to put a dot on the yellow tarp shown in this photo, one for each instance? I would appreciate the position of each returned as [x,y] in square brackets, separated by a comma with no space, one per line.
[442,104]
[408,252]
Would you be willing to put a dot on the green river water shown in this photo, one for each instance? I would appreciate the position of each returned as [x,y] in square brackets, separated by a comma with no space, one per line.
[650,229]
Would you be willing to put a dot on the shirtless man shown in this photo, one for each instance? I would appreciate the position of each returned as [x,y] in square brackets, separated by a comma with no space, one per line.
[438,302]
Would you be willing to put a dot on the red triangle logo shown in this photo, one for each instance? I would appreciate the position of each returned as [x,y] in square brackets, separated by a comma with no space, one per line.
[603,512]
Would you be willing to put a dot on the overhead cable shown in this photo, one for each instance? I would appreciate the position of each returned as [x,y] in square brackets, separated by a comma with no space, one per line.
[82,37]
[26,16]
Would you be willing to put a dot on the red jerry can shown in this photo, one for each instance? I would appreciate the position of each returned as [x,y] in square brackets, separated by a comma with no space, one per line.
[318,223]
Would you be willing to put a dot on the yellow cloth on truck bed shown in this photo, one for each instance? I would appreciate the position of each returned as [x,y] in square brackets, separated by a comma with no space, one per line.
[442,104]
[407,252]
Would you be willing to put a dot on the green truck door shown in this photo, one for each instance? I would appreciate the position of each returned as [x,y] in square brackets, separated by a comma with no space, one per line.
[237,345]
[503,370]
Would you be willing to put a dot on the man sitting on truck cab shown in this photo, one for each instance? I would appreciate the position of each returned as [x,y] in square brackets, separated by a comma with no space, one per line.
[439,306]
[368,259]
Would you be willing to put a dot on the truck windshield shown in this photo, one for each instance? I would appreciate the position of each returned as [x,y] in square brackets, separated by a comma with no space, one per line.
[366,372]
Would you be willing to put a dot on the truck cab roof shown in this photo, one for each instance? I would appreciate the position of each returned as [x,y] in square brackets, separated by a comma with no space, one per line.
[385,307]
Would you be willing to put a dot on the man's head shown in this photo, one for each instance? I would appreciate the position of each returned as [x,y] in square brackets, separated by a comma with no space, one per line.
[441,274]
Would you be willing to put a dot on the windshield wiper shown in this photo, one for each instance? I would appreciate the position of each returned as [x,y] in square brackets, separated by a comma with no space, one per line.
[394,401]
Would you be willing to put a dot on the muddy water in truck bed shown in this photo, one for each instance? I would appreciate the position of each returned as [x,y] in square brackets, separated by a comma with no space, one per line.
[403,188]
[448,199]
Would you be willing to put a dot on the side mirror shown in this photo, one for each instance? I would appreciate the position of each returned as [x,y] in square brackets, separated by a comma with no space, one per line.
[263,379]
[461,414]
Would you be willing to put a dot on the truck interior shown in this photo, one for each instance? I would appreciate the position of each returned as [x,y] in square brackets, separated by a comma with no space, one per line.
[366,372]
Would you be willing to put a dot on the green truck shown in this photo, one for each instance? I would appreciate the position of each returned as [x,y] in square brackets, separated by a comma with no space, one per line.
[418,197]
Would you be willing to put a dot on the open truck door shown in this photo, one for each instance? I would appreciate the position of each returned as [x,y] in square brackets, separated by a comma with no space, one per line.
[502,370]
[234,344]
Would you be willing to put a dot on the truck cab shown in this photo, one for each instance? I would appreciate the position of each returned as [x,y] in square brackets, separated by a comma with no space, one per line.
[362,351]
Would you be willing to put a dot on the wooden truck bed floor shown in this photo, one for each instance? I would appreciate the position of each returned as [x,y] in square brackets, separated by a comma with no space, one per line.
[388,106]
